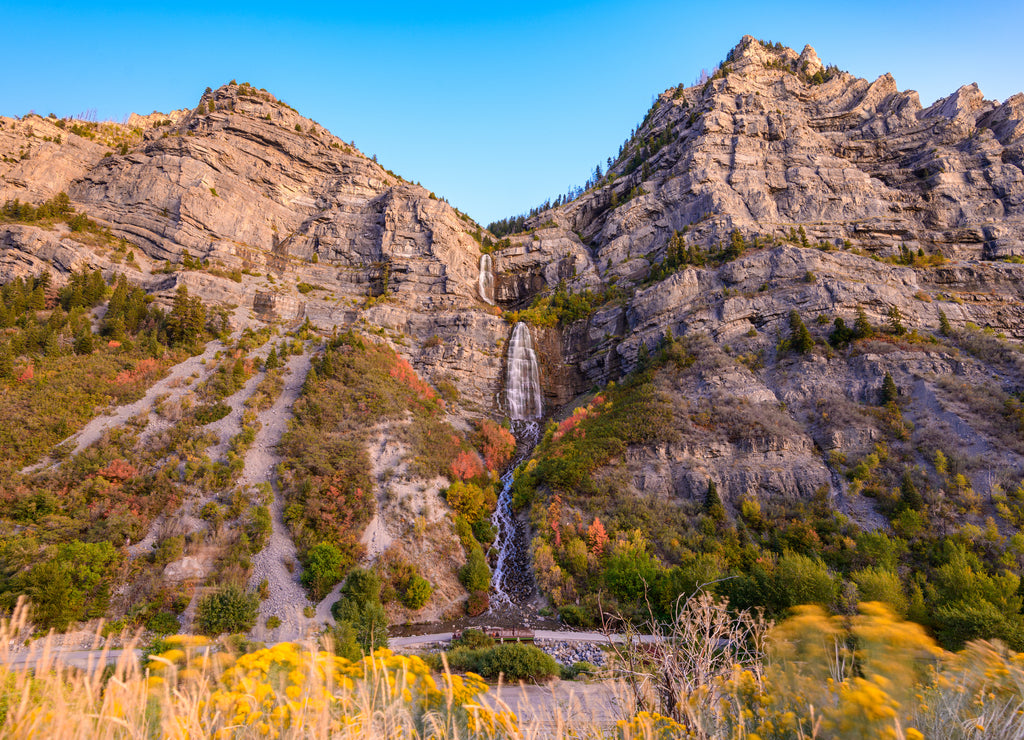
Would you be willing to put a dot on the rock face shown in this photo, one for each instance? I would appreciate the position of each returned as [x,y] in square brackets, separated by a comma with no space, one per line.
[294,223]
[250,187]
[776,141]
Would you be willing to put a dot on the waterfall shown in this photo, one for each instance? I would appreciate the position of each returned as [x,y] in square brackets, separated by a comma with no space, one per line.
[523,384]
[486,280]
[512,579]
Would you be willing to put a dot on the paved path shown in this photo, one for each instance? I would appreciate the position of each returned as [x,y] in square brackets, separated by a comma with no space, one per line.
[553,635]
[84,659]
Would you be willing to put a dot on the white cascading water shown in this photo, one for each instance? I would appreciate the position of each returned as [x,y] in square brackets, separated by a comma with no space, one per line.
[511,578]
[523,383]
[486,280]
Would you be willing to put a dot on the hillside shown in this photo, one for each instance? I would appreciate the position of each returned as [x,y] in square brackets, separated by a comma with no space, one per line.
[778,343]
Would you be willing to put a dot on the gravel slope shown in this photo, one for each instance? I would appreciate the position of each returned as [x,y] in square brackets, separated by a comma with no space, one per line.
[287,597]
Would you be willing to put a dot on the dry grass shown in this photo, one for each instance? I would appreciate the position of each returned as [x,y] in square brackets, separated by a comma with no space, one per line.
[716,676]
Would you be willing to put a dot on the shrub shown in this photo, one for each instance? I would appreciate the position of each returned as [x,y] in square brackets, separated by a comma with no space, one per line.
[473,638]
[228,610]
[579,668]
[803,580]
[477,603]
[417,592]
[361,618]
[163,623]
[475,575]
[470,500]
[879,584]
[573,615]
[324,563]
[517,661]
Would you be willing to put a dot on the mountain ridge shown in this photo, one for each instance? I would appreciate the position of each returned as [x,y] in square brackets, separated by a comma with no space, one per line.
[771,254]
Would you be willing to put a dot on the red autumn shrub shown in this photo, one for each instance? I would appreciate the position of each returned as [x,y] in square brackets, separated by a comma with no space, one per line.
[118,470]
[467,465]
[498,444]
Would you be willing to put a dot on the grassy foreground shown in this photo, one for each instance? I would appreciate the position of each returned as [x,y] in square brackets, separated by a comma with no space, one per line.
[870,676]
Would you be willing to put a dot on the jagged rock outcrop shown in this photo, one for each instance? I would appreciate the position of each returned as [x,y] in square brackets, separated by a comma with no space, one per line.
[776,141]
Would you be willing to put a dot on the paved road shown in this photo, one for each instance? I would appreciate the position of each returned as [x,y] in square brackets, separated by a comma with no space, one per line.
[553,635]
[85,659]
[88,658]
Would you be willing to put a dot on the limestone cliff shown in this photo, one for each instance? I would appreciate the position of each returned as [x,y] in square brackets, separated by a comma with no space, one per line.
[897,206]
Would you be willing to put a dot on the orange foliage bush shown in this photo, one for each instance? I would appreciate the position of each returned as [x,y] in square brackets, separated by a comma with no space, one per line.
[142,369]
[402,372]
[118,470]
[578,415]
[498,444]
[597,537]
[467,465]
[27,374]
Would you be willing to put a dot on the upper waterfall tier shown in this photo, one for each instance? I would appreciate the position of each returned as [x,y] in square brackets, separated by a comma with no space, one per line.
[486,279]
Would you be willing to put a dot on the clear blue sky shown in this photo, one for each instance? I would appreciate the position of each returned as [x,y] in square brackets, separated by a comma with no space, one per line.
[495,106]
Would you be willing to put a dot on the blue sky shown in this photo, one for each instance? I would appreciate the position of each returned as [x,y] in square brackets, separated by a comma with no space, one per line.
[495,106]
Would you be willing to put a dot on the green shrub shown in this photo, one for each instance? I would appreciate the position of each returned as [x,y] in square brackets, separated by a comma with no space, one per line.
[514,660]
[163,623]
[803,580]
[209,413]
[573,615]
[473,638]
[579,668]
[879,584]
[228,610]
[417,592]
[324,568]
[517,662]
[475,575]
[359,609]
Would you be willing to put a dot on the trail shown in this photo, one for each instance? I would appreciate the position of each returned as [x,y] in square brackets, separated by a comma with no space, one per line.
[287,597]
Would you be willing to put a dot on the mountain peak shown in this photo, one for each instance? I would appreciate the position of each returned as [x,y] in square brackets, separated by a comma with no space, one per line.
[756,52]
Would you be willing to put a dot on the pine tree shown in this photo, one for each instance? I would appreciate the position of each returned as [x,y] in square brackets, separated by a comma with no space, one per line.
[84,343]
[38,298]
[271,362]
[187,318]
[862,327]
[841,335]
[95,288]
[890,393]
[115,328]
[737,245]
[53,346]
[713,503]
[910,497]
[896,321]
[238,372]
[6,361]
[800,339]
[944,328]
